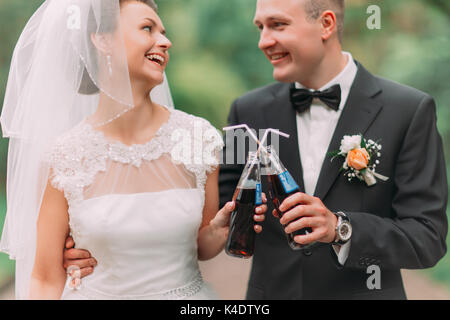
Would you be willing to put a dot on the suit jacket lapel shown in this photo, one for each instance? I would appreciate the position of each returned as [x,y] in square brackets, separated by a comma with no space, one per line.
[360,111]
[280,115]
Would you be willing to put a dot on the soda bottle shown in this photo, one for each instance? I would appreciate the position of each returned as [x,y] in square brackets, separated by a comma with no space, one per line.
[281,186]
[247,196]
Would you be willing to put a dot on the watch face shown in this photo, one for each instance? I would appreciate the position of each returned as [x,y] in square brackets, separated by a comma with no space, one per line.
[345,231]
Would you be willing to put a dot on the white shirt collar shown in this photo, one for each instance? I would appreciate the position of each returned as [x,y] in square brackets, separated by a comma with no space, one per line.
[345,79]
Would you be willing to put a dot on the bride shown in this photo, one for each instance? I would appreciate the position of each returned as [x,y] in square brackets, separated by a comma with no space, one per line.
[98,153]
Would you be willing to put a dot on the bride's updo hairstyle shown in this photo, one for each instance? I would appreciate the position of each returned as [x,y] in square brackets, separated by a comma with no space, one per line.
[87,85]
[150,3]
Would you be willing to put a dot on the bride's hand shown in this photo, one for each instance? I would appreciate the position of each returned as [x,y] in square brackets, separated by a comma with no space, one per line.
[222,219]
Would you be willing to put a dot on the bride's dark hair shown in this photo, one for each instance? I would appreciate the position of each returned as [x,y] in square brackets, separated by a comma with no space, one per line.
[150,3]
[87,85]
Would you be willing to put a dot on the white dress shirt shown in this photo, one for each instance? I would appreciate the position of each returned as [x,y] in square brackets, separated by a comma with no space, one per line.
[315,128]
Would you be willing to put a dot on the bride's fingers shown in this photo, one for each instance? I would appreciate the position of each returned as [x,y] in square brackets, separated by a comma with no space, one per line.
[258,228]
[264,198]
[223,216]
[259,217]
[261,209]
[228,208]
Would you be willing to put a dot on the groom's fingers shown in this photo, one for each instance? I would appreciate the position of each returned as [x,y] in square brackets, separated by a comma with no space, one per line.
[305,222]
[297,212]
[81,272]
[314,236]
[275,213]
[86,271]
[69,242]
[75,254]
[294,200]
[292,214]
[81,263]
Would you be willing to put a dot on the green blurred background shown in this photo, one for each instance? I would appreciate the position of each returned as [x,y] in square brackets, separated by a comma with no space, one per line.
[215,59]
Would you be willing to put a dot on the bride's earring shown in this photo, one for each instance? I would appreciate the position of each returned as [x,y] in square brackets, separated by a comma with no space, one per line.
[108,59]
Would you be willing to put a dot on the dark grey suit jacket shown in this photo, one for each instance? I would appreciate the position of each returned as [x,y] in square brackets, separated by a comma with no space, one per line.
[398,224]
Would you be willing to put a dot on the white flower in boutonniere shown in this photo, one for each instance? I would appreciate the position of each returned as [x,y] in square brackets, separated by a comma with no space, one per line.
[361,159]
[349,143]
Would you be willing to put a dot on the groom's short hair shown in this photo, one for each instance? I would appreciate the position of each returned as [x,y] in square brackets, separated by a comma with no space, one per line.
[314,8]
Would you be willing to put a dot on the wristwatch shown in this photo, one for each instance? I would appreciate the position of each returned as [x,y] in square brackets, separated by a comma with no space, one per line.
[343,229]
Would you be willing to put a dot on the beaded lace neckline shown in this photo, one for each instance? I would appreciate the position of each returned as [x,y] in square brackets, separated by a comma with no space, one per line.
[83,152]
[121,145]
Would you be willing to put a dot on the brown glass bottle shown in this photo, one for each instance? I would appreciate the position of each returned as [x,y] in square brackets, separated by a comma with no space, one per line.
[282,186]
[248,195]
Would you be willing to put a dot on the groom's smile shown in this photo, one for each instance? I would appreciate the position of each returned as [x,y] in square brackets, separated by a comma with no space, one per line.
[289,39]
[277,58]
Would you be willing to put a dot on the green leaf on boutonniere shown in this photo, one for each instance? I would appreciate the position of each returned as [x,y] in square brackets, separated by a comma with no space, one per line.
[363,142]
[333,155]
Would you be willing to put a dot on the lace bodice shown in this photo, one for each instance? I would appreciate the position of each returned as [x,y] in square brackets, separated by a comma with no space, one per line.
[82,153]
[138,208]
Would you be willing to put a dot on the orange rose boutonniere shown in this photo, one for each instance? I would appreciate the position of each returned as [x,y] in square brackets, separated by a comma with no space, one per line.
[358,158]
[361,159]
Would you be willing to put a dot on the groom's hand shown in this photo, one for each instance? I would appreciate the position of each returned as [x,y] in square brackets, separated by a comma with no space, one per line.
[313,213]
[78,257]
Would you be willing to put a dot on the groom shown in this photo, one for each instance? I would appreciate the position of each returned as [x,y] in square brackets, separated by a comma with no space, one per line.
[364,235]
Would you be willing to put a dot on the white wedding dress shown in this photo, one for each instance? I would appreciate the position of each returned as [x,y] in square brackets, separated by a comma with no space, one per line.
[138,208]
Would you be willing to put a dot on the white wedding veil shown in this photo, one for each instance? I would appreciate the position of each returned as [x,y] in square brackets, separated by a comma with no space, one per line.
[55,80]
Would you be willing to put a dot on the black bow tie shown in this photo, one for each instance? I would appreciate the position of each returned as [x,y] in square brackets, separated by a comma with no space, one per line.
[302,98]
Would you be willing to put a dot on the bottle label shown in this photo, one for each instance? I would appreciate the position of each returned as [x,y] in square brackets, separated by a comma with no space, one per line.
[258,197]
[288,182]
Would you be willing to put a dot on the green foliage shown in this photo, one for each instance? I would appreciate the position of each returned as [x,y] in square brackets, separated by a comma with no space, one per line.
[199,91]
[214,57]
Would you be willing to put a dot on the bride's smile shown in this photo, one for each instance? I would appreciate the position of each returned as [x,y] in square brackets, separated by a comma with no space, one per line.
[146,43]
[157,58]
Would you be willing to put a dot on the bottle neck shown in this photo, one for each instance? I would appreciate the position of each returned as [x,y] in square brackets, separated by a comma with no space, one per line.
[272,164]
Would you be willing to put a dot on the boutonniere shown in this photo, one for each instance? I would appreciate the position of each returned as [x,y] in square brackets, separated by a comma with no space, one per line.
[361,159]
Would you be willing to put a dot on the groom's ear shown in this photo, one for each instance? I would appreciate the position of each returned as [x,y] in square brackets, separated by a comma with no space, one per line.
[101,42]
[329,24]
